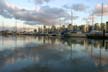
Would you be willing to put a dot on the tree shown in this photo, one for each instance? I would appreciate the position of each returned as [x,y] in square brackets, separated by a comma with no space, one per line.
[39,30]
[35,30]
[70,27]
[106,26]
[102,26]
[45,29]
[53,28]
[82,28]
[75,27]
[62,28]
[96,26]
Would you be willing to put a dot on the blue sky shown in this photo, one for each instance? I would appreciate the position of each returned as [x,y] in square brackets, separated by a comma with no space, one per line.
[31,5]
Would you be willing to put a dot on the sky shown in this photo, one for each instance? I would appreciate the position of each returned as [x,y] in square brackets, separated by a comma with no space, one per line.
[30,13]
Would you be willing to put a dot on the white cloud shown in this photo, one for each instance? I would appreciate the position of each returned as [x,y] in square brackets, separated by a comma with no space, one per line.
[98,10]
[79,7]
[41,1]
[44,15]
[76,7]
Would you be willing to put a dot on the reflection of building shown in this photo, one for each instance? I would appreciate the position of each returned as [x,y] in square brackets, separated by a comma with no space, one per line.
[36,53]
[51,49]
[99,56]
[101,61]
[86,44]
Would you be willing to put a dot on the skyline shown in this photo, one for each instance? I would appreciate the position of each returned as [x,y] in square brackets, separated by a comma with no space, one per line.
[50,12]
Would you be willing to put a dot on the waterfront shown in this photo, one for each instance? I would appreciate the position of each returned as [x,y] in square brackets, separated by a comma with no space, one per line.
[52,54]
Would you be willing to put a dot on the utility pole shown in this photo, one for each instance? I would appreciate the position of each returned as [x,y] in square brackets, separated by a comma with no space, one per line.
[72,17]
[3,26]
[103,32]
[16,26]
[102,19]
[92,21]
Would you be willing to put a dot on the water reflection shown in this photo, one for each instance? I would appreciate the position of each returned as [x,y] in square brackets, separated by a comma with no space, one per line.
[52,54]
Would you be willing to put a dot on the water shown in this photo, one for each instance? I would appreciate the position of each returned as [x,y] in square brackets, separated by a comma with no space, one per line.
[52,54]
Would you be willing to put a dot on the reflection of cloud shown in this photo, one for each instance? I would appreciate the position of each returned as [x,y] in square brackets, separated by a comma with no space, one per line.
[55,56]
[37,53]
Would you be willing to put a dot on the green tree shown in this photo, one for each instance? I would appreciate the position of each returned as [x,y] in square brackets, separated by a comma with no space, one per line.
[82,28]
[70,27]
[62,28]
[45,29]
[102,26]
[39,30]
[35,30]
[97,27]
[53,28]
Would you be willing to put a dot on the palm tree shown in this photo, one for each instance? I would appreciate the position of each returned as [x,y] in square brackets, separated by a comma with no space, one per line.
[44,29]
[35,30]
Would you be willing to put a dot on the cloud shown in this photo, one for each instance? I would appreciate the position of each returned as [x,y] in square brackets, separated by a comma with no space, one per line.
[98,10]
[79,7]
[76,7]
[32,22]
[45,15]
[73,18]
[91,17]
[41,1]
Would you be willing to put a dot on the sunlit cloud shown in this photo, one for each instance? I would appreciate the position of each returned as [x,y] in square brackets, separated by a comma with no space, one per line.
[77,7]
[98,10]
[41,1]
[42,15]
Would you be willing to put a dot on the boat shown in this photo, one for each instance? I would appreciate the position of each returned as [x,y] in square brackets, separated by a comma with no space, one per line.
[97,35]
[74,34]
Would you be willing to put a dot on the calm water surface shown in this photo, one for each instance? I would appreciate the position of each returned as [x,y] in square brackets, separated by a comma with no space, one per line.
[52,54]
